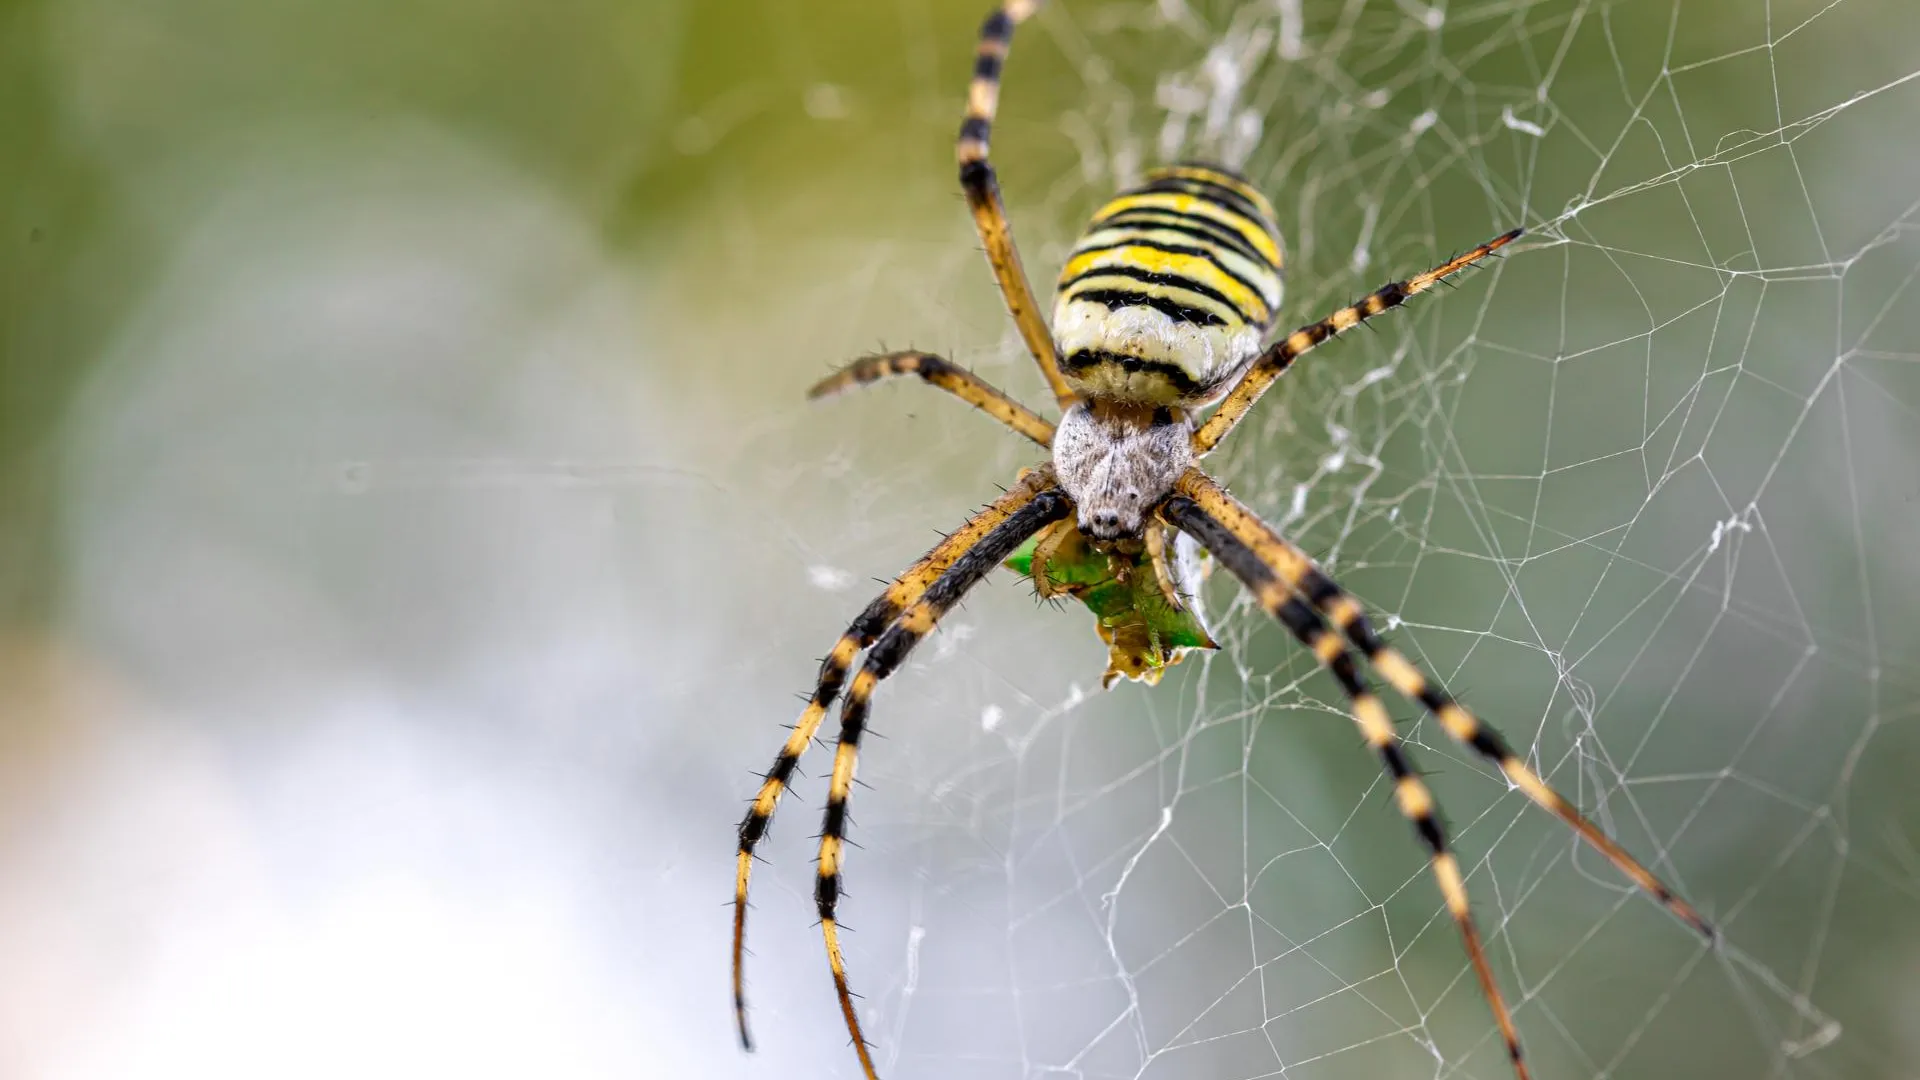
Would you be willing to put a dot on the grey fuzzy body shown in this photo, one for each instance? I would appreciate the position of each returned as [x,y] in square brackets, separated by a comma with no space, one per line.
[1117,463]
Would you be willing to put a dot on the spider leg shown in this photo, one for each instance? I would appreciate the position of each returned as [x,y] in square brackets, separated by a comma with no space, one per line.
[982,189]
[1482,739]
[914,623]
[885,608]
[1281,354]
[938,372]
[1158,554]
[1416,802]
[1299,574]
[1051,538]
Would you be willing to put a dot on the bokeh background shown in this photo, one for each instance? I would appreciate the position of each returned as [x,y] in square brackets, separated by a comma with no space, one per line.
[412,535]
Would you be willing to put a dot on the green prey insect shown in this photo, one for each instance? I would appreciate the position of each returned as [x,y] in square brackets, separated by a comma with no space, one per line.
[1149,617]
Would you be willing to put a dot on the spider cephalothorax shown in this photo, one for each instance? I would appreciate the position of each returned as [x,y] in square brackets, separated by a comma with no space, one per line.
[1117,461]
[1163,309]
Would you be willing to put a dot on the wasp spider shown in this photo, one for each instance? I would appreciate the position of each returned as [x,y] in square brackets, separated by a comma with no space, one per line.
[1162,309]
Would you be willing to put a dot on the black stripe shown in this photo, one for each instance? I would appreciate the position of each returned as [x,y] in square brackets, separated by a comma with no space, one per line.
[1172,309]
[1430,831]
[832,677]
[1488,742]
[976,128]
[752,829]
[1316,333]
[1432,698]
[1083,359]
[1318,588]
[1154,277]
[1193,225]
[1392,294]
[826,893]
[892,648]
[1396,761]
[1299,619]
[1212,256]
[1345,674]
[997,27]
[1224,197]
[836,820]
[930,367]
[874,619]
[986,65]
[977,183]
[783,767]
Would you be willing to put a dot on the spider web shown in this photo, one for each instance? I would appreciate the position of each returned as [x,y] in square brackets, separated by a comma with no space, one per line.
[441,536]
[1632,493]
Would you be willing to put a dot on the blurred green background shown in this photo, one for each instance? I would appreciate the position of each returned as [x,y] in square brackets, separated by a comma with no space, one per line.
[412,535]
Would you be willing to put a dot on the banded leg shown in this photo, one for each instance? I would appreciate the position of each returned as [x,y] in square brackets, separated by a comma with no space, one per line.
[915,623]
[1299,574]
[982,189]
[909,587]
[1281,354]
[936,371]
[1410,792]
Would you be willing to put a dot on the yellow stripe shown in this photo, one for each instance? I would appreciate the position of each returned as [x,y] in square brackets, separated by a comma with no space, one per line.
[1459,723]
[1452,889]
[1195,206]
[1249,266]
[1395,669]
[983,97]
[1252,306]
[834,960]
[1232,317]
[1327,648]
[1529,784]
[843,650]
[1340,609]
[1415,800]
[843,756]
[1375,726]
[918,620]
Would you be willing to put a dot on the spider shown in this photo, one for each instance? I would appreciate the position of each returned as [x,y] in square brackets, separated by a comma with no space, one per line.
[1161,311]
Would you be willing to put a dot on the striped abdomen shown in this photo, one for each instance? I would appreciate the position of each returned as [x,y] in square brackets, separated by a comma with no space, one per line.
[1167,297]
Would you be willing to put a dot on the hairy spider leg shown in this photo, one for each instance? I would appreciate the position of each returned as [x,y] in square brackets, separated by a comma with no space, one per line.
[1300,575]
[939,372]
[909,587]
[914,624]
[1412,795]
[982,189]
[1281,354]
